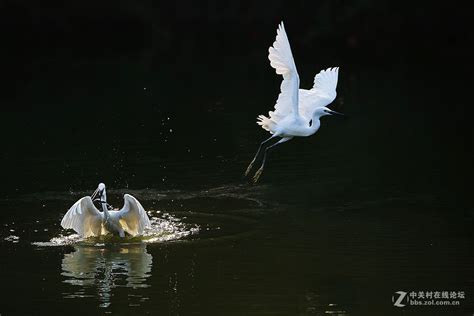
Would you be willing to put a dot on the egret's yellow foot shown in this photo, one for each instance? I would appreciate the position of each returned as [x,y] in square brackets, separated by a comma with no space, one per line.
[257,175]
[249,168]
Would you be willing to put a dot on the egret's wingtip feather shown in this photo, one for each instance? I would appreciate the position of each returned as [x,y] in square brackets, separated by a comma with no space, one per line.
[281,59]
[134,216]
[322,93]
[82,217]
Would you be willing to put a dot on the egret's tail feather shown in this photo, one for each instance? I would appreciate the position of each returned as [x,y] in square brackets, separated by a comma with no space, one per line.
[266,123]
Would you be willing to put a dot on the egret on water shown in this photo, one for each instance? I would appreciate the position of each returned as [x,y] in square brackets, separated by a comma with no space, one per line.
[87,220]
[297,111]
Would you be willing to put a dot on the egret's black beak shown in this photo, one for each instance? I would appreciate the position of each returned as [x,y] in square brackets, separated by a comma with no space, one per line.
[94,194]
[97,195]
[334,112]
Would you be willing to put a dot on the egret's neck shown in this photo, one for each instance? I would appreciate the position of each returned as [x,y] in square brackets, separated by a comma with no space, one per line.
[103,204]
[315,123]
[104,208]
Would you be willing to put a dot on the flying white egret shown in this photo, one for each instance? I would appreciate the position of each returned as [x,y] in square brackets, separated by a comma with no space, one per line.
[297,111]
[87,220]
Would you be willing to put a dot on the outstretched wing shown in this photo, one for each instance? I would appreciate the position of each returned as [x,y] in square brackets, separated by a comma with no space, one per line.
[133,217]
[322,93]
[84,218]
[281,59]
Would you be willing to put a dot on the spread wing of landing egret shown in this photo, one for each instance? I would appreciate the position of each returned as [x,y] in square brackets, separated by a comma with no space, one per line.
[84,218]
[297,111]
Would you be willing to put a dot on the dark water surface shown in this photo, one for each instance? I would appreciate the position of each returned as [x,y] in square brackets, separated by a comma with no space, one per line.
[372,204]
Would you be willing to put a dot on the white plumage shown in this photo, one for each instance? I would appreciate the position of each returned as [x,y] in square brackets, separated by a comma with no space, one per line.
[297,111]
[281,59]
[84,218]
[322,93]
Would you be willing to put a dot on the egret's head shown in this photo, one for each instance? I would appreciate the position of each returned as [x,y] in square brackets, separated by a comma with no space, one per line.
[101,187]
[322,111]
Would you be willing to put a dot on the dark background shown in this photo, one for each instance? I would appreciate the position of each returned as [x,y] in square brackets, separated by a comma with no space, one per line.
[159,99]
[122,90]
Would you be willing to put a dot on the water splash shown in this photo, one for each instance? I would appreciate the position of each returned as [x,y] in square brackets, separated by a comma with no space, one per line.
[164,228]
[168,228]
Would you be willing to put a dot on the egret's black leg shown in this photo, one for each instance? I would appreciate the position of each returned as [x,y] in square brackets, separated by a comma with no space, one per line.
[256,155]
[260,170]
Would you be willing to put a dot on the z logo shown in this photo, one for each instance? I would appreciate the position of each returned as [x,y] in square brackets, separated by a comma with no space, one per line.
[401,297]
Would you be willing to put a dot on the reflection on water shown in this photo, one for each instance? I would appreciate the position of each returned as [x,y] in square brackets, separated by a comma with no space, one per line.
[104,268]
